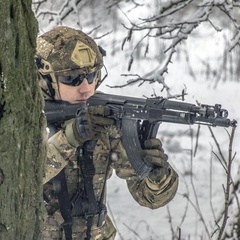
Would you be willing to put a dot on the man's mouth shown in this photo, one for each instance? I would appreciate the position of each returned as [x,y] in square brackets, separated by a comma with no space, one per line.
[81,100]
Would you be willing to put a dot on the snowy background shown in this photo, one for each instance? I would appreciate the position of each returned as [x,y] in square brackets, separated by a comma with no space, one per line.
[135,222]
[204,172]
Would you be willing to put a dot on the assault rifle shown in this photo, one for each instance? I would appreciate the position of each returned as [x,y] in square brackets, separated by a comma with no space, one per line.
[139,119]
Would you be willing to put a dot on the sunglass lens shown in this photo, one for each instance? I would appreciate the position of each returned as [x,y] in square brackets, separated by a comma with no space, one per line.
[91,77]
[76,80]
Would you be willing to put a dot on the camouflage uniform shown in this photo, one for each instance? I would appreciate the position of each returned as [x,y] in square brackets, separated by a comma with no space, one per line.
[64,51]
[61,154]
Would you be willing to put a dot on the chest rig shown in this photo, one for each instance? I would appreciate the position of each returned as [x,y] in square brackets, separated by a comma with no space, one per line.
[83,204]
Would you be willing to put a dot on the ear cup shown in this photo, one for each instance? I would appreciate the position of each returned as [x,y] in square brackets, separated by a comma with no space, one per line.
[47,78]
[38,61]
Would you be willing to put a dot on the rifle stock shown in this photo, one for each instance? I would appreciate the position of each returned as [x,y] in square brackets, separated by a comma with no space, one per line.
[139,119]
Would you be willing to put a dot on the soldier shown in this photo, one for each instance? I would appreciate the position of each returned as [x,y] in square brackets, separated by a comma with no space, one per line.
[82,152]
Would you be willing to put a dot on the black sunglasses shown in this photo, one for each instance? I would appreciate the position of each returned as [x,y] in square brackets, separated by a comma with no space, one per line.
[77,79]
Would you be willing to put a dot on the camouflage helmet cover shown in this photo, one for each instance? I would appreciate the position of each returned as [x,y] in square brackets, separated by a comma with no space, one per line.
[68,49]
[64,51]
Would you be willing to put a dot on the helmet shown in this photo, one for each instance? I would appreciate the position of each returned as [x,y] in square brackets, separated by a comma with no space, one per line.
[64,51]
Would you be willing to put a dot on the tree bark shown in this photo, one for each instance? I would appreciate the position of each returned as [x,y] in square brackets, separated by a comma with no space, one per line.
[22,124]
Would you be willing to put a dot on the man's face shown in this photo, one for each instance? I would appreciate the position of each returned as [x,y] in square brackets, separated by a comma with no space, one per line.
[76,94]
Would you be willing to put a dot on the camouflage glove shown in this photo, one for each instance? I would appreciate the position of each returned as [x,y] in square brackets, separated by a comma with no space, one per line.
[89,124]
[154,154]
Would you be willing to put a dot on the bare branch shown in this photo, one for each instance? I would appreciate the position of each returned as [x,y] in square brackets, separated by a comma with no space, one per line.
[228,185]
[218,147]
[152,77]
[169,8]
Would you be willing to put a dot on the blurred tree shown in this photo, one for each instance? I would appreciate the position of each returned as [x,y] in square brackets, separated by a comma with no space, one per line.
[21,121]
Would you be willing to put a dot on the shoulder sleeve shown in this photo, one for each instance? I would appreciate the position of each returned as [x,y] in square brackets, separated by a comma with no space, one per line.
[154,195]
[59,152]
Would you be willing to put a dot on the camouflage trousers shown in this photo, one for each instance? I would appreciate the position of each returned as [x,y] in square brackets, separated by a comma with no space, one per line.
[53,231]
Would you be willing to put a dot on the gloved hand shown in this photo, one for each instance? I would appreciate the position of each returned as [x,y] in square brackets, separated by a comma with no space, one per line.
[154,154]
[91,122]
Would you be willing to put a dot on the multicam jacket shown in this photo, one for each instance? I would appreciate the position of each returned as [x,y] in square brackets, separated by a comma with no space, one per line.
[62,155]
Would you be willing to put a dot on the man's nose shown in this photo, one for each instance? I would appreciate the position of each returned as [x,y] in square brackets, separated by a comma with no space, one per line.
[84,87]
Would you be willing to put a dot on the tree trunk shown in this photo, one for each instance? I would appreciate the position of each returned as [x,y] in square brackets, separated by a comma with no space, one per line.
[21,125]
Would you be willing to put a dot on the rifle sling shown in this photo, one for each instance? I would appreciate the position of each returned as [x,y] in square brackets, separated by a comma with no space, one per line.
[60,185]
[88,171]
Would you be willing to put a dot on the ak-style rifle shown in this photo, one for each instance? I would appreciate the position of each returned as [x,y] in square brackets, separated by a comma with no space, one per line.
[139,119]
